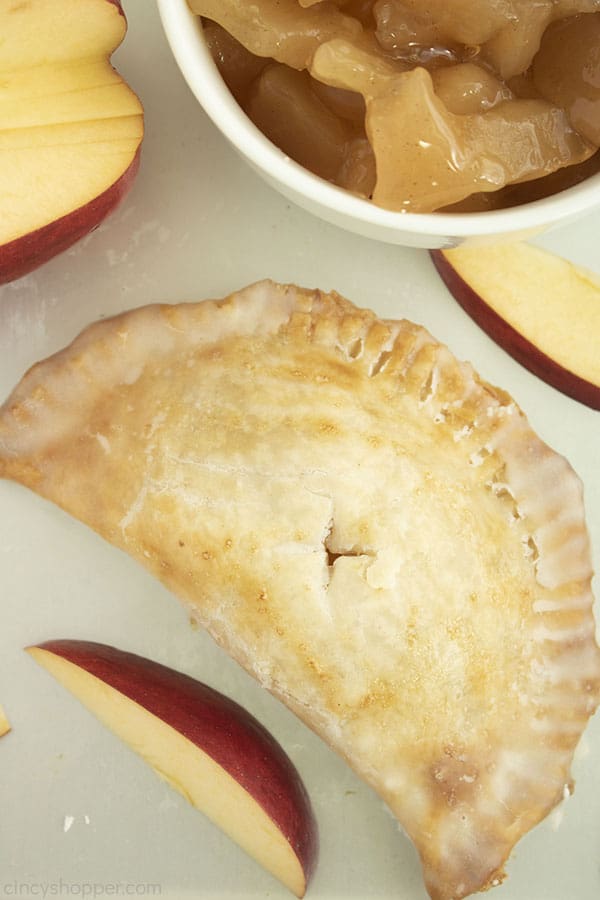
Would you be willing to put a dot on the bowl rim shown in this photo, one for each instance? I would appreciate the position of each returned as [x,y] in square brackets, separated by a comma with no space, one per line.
[183,30]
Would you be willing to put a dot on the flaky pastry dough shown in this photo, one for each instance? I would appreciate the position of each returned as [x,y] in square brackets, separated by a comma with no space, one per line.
[368,528]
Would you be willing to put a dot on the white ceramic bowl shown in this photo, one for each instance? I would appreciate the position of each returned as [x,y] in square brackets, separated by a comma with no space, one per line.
[184,33]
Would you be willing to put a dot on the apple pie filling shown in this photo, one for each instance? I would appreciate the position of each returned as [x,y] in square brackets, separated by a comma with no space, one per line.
[420,106]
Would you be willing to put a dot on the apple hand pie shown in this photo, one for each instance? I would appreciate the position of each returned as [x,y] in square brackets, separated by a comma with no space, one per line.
[372,531]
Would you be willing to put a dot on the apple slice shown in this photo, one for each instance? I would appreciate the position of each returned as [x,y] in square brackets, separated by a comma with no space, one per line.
[540,308]
[203,744]
[4,723]
[70,128]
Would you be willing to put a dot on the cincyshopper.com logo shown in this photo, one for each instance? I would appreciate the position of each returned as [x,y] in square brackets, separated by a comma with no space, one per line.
[78,889]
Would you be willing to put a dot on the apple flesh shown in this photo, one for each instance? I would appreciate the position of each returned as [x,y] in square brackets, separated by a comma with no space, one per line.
[70,128]
[540,308]
[203,744]
[4,723]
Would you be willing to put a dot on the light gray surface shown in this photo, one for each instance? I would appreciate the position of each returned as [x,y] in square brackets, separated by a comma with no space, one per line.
[199,223]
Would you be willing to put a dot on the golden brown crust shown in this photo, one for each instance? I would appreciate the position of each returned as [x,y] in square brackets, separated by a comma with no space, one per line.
[366,526]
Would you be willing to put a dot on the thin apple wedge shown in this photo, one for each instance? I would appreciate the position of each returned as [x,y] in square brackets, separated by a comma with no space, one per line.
[540,308]
[203,744]
[4,723]
[70,127]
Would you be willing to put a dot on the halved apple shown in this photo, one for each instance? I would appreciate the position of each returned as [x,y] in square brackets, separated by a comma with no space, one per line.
[70,128]
[203,744]
[4,723]
[540,308]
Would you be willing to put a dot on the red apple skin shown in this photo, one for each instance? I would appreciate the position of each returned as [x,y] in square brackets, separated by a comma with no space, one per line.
[117,3]
[507,337]
[223,729]
[23,255]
